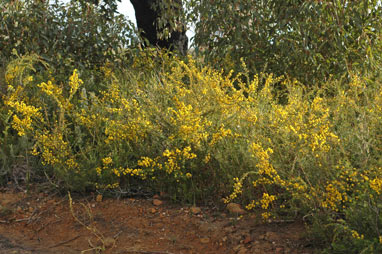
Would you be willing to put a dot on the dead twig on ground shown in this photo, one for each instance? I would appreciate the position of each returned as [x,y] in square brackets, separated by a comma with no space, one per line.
[148,252]
[64,242]
[47,224]
[20,220]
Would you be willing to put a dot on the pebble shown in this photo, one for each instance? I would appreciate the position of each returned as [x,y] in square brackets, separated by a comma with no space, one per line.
[157,202]
[196,210]
[205,240]
[99,198]
[247,239]
[108,242]
[235,208]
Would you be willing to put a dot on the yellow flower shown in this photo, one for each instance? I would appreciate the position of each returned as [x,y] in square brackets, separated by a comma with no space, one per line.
[107,161]
[74,82]
[376,185]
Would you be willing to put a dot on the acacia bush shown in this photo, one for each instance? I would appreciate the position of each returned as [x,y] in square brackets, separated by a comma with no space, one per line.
[180,127]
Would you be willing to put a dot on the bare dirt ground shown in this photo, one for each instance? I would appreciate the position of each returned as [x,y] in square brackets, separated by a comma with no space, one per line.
[44,224]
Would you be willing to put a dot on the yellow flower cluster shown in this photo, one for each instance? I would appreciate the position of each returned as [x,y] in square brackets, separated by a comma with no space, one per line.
[376,185]
[74,82]
[11,74]
[310,124]
[108,168]
[356,235]
[268,175]
[27,113]
[50,89]
[127,120]
[237,189]
[55,151]
[107,161]
[334,196]
[267,200]
[219,135]
[173,158]
[189,121]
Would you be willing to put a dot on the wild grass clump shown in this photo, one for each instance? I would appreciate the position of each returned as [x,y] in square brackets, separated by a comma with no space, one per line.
[179,127]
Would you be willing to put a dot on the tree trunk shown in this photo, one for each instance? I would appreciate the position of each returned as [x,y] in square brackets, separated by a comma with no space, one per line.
[147,13]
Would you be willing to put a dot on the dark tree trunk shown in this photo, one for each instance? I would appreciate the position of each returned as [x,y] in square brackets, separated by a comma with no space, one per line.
[147,21]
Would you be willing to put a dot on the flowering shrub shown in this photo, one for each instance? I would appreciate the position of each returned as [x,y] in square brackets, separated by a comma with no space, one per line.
[182,128]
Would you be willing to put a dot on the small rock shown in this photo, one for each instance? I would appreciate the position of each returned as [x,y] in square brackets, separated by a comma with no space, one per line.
[99,198]
[206,227]
[247,239]
[108,242]
[196,210]
[272,236]
[205,240]
[229,230]
[235,208]
[157,202]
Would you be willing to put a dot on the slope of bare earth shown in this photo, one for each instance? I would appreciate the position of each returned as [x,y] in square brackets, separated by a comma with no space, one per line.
[44,224]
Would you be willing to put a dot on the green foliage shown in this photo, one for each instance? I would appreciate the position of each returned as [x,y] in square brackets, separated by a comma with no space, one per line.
[73,35]
[311,41]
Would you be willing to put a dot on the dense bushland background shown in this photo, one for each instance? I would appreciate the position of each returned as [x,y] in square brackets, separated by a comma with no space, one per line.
[279,108]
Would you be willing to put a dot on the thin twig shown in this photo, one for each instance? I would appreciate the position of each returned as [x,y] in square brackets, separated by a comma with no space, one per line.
[12,220]
[64,242]
[47,224]
[25,219]
[116,235]
[148,252]
[281,221]
[32,216]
